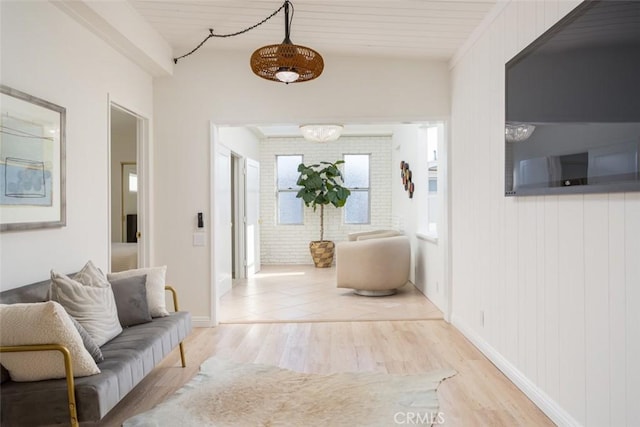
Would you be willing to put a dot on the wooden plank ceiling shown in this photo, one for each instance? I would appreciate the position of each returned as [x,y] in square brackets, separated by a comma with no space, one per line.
[400,28]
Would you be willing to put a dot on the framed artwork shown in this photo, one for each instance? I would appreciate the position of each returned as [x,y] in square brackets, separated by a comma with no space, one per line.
[32,162]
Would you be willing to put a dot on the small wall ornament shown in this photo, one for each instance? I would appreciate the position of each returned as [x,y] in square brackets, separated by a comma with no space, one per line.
[407,178]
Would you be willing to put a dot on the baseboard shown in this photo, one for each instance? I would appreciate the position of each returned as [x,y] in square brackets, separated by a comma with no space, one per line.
[546,404]
[201,322]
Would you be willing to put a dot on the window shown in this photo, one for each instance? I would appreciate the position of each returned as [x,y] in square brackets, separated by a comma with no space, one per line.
[356,179]
[133,182]
[289,207]
[433,185]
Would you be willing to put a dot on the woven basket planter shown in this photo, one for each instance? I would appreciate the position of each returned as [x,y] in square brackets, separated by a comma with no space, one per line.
[322,253]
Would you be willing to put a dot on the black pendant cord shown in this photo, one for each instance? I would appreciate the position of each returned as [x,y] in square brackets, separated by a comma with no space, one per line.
[211,33]
[287,21]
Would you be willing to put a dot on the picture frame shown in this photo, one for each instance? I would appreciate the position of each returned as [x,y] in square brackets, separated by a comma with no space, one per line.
[32,162]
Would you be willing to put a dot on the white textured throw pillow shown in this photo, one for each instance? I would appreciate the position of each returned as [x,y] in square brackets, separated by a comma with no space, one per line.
[89,299]
[42,323]
[155,287]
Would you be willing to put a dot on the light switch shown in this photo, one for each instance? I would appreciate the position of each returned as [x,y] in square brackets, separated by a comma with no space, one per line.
[199,239]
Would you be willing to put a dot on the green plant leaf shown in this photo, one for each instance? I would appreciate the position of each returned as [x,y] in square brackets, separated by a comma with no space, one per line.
[322,184]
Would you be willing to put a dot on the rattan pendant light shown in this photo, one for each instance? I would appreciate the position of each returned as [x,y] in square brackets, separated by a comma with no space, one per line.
[284,62]
[287,62]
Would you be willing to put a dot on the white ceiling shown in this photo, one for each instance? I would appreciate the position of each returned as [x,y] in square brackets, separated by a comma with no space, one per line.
[400,28]
[426,29]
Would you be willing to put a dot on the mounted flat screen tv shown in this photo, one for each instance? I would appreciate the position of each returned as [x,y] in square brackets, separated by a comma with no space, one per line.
[573,105]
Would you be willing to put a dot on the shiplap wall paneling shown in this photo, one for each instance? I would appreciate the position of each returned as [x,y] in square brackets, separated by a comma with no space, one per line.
[566,6]
[503,284]
[527,299]
[562,308]
[632,278]
[527,21]
[511,45]
[596,262]
[483,237]
[540,362]
[616,307]
[572,315]
[495,313]
[459,252]
[552,260]
[551,12]
[510,298]
[530,310]
[548,341]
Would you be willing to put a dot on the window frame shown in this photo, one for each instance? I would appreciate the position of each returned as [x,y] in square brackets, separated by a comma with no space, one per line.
[358,189]
[295,190]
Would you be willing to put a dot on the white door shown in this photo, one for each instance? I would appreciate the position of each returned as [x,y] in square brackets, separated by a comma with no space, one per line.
[222,220]
[252,223]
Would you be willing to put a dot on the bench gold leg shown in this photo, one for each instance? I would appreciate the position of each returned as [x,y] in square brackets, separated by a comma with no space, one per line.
[68,368]
[184,362]
[175,307]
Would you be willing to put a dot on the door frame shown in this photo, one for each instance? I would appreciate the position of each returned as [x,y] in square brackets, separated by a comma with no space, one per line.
[239,215]
[217,228]
[247,221]
[144,182]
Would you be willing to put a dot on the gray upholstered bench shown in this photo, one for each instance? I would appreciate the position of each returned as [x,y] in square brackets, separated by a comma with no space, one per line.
[128,358]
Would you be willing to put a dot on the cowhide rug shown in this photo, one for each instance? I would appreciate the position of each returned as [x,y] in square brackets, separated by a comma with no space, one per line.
[225,393]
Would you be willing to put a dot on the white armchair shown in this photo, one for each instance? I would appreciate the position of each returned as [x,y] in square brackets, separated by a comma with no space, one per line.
[373,263]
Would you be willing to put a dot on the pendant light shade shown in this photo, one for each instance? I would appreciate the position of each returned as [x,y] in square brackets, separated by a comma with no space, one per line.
[287,62]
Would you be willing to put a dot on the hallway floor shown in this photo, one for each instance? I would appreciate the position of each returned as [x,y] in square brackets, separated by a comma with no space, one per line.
[303,293]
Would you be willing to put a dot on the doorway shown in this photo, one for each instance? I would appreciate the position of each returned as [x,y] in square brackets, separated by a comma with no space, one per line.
[126,131]
[245,206]
[420,225]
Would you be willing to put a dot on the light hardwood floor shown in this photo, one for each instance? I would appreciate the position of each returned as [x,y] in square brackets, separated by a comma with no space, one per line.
[479,395]
[285,317]
[303,293]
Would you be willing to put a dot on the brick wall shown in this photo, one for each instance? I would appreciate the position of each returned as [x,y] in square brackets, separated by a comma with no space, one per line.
[289,244]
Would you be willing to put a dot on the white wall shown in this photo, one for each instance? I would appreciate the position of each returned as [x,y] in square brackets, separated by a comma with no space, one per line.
[219,87]
[49,55]
[428,269]
[406,211]
[240,141]
[297,237]
[557,277]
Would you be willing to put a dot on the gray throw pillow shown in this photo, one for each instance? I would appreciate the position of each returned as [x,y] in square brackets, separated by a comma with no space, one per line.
[88,298]
[88,342]
[131,300]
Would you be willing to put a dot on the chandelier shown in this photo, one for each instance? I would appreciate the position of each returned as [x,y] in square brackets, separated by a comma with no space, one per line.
[284,62]
[321,133]
[517,132]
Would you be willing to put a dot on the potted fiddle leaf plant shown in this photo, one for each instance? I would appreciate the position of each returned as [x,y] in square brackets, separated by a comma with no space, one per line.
[322,185]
